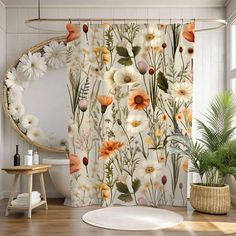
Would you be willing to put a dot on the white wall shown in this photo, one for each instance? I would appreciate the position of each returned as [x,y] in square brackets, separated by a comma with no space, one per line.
[2,70]
[209,60]
[230,16]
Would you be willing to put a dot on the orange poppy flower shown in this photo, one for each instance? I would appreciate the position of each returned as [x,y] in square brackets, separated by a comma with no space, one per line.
[185,165]
[189,32]
[73,32]
[161,159]
[138,100]
[74,163]
[179,116]
[109,147]
[105,100]
[189,118]
[164,117]
[97,51]
[104,186]
[105,194]
[106,58]
[189,131]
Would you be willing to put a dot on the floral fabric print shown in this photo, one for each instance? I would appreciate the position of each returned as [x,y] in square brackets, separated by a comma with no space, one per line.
[130,92]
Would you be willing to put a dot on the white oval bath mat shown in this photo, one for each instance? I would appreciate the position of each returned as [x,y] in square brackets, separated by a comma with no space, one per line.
[132,218]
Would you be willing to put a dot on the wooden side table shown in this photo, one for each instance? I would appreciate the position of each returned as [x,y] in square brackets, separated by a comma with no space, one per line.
[29,171]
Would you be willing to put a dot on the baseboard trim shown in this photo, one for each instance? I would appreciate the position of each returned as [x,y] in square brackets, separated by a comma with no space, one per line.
[1,195]
[233,199]
[53,195]
[6,194]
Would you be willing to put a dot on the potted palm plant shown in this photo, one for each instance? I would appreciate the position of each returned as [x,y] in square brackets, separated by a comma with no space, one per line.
[213,156]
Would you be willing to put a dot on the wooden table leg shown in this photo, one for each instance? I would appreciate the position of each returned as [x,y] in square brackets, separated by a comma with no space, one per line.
[30,181]
[13,190]
[43,189]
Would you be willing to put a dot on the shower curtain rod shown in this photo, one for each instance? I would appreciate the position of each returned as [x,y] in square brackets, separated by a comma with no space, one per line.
[222,23]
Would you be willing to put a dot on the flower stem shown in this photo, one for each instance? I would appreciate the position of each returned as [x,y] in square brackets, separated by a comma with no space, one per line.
[142,144]
[100,120]
[164,195]
[81,121]
[145,84]
[183,66]
[182,196]
[135,198]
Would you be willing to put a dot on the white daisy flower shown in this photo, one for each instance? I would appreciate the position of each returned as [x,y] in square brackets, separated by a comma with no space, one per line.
[149,169]
[137,123]
[35,134]
[109,78]
[55,54]
[51,140]
[16,79]
[29,121]
[24,130]
[33,65]
[126,76]
[151,36]
[72,128]
[182,92]
[16,110]
[14,96]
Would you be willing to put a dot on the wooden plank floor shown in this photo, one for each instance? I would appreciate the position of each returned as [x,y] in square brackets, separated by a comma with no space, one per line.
[60,220]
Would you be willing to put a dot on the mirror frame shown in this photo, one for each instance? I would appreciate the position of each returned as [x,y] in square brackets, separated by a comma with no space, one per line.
[5,103]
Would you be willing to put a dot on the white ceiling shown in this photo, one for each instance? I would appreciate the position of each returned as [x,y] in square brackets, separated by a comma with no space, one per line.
[201,3]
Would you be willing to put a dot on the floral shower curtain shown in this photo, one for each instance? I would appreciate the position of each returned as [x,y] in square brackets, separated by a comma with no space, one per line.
[130,92]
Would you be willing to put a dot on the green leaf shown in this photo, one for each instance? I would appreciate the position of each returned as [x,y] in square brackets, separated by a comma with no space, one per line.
[125,61]
[136,185]
[123,52]
[136,50]
[122,187]
[162,82]
[125,197]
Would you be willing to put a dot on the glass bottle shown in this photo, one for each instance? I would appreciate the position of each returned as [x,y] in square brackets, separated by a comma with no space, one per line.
[17,157]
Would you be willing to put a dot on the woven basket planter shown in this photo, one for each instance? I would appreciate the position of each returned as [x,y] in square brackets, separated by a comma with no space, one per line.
[211,200]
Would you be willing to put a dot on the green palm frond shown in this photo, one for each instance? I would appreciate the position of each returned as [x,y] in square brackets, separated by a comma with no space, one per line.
[225,159]
[218,127]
